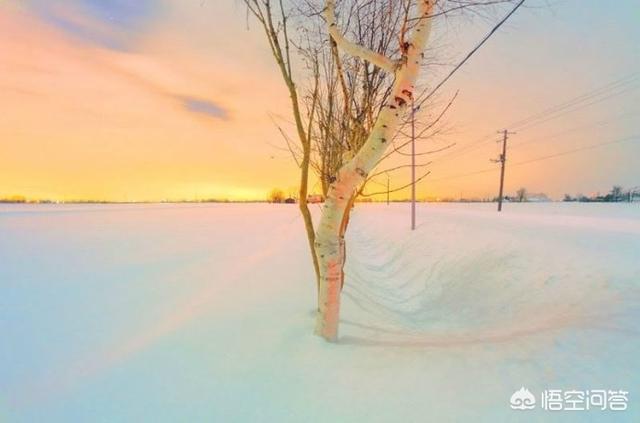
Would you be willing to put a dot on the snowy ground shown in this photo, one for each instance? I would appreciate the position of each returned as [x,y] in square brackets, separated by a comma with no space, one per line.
[201,313]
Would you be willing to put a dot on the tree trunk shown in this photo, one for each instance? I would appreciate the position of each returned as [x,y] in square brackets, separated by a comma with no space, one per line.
[329,240]
[308,225]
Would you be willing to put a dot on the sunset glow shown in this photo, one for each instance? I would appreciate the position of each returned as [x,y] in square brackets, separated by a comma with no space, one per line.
[177,100]
[319,210]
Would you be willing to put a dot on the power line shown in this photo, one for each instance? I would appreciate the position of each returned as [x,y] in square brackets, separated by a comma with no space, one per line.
[477,172]
[537,159]
[465,149]
[423,97]
[468,55]
[576,150]
[571,110]
[548,137]
[603,89]
[561,109]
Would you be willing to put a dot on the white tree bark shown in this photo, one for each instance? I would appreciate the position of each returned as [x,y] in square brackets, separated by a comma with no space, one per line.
[329,238]
[353,49]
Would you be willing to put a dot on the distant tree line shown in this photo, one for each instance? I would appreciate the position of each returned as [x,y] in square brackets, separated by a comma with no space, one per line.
[14,199]
[616,195]
[19,199]
[522,195]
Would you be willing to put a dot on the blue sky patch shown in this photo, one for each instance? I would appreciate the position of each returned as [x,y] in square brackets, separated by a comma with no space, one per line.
[125,14]
[122,19]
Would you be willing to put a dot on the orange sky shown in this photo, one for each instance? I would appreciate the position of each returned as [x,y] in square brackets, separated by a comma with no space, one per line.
[175,103]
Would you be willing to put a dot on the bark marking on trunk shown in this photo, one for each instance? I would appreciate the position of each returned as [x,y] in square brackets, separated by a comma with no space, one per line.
[329,240]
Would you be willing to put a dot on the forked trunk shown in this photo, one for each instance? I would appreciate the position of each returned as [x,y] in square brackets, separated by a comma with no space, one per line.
[329,242]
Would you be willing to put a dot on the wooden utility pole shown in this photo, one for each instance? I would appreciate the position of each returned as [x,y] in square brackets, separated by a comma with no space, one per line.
[413,165]
[502,160]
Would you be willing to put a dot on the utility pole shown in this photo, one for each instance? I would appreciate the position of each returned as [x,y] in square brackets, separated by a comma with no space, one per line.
[502,160]
[413,165]
[388,184]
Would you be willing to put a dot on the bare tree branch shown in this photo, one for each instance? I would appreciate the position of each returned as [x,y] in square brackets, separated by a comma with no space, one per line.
[393,169]
[354,49]
[396,189]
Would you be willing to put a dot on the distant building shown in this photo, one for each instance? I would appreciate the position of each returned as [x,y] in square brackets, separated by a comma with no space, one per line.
[315,198]
[538,198]
[290,200]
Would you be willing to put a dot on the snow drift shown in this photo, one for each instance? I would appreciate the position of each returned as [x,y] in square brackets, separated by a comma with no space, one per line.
[205,313]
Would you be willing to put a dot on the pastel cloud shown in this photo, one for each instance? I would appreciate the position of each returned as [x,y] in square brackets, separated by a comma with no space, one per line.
[205,107]
[149,122]
[123,13]
[112,24]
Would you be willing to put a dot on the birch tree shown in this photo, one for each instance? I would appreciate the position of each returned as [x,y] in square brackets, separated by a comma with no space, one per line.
[329,241]
[399,63]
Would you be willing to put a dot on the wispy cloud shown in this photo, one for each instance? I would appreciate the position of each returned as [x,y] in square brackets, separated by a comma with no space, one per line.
[125,14]
[205,107]
[112,24]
